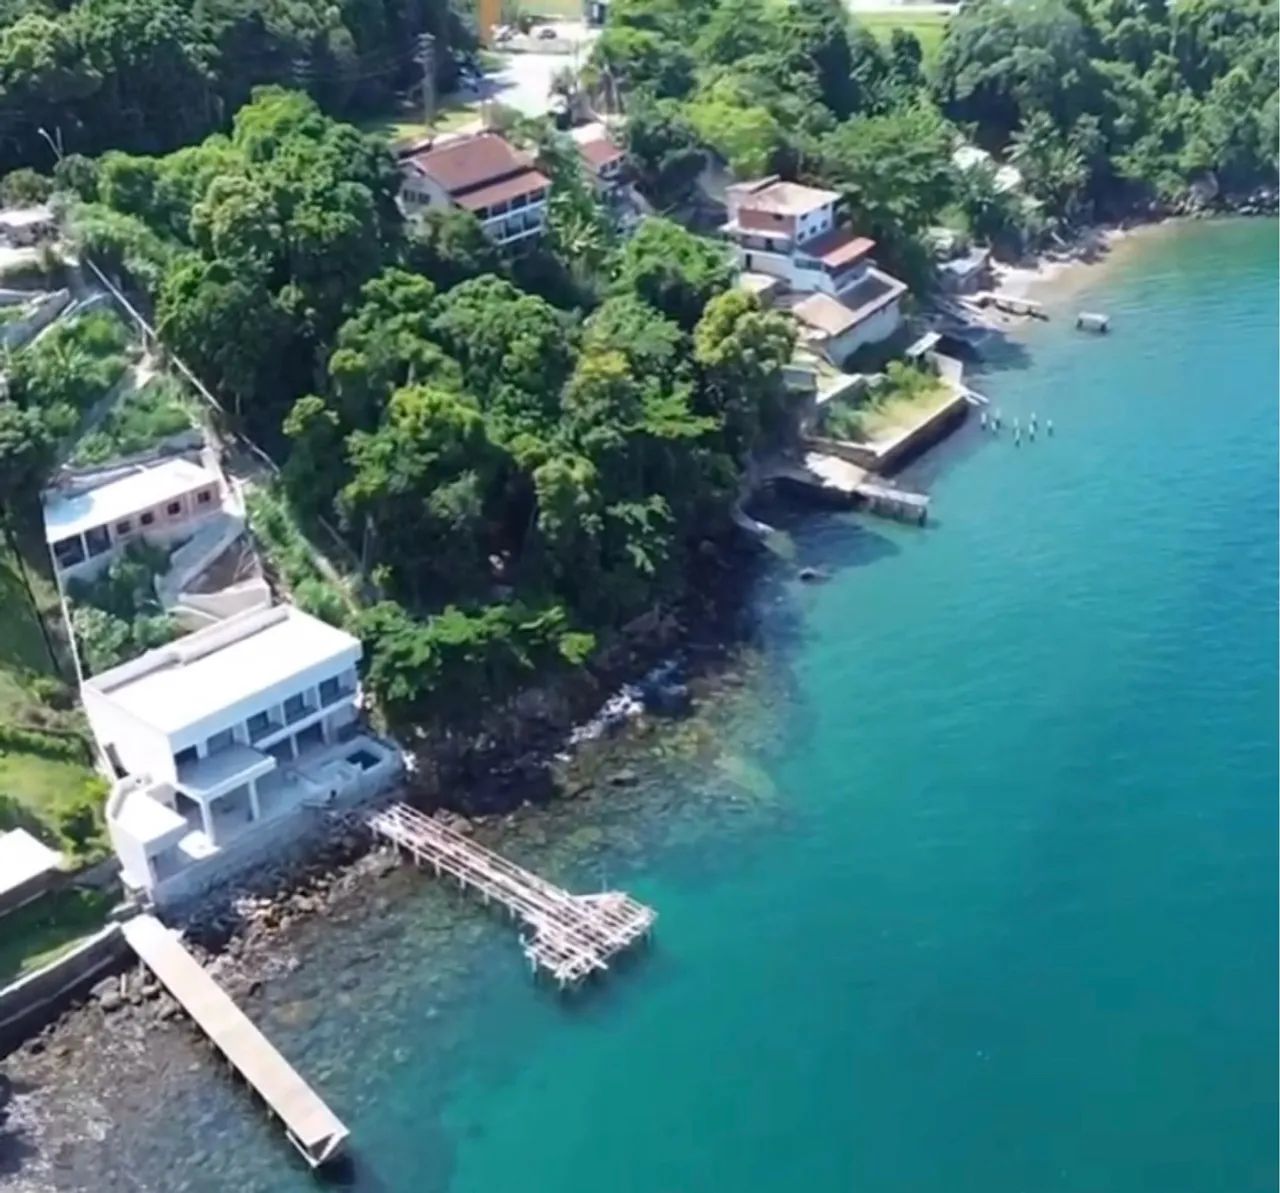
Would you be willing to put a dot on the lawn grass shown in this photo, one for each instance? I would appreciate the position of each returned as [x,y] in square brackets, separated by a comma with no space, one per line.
[36,788]
[405,124]
[929,28]
[139,420]
[885,419]
[47,927]
[22,647]
[900,403]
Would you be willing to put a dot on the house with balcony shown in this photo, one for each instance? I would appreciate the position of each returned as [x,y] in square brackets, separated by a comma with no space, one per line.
[89,519]
[789,238]
[225,741]
[481,173]
[602,160]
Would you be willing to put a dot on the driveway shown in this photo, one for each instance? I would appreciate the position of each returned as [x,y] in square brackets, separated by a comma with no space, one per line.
[523,81]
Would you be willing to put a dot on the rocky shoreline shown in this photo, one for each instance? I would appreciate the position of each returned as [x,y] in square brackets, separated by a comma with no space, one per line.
[344,918]
[485,782]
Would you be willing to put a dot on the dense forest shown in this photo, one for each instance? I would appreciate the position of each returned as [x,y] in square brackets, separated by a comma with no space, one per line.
[1099,103]
[152,75]
[513,475]
[524,453]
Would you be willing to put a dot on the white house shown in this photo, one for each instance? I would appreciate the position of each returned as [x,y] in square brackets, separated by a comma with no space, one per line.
[481,173]
[87,522]
[225,735]
[791,232]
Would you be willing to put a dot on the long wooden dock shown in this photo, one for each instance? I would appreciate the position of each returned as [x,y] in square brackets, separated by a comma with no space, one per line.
[311,1126]
[572,935]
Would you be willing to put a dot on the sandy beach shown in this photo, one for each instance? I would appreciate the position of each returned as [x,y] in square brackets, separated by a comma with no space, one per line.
[1058,274]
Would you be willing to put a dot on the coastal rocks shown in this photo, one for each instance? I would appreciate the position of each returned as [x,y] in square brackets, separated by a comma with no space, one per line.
[108,995]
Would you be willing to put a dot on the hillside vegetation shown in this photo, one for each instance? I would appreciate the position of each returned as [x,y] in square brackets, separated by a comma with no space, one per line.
[524,454]
[1100,104]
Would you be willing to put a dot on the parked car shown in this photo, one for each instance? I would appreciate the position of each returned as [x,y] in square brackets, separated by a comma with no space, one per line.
[547,33]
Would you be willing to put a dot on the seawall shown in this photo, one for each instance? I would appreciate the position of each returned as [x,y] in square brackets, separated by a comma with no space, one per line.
[32,1001]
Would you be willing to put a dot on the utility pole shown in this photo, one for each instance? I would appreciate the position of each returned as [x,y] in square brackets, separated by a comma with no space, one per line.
[427,57]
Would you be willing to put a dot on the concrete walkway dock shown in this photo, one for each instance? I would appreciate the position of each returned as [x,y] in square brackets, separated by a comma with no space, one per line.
[311,1126]
[830,480]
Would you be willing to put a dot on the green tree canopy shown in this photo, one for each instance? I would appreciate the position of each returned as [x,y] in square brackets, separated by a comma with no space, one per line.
[674,271]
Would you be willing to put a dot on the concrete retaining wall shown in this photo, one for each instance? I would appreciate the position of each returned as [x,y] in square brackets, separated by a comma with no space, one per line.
[889,454]
[32,1001]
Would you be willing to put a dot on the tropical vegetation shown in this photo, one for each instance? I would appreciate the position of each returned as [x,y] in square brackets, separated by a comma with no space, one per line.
[521,454]
[1098,104]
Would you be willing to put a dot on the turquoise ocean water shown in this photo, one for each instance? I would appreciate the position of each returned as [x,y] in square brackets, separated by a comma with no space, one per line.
[1015,928]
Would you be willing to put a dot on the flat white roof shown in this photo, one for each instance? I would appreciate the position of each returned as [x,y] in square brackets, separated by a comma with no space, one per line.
[23,858]
[179,685]
[150,822]
[782,198]
[131,494]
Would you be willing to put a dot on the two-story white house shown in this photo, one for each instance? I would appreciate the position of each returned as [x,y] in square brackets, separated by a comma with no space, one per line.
[222,739]
[88,521]
[481,173]
[792,233]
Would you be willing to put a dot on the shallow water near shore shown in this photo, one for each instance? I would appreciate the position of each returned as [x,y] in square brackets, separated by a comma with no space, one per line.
[965,876]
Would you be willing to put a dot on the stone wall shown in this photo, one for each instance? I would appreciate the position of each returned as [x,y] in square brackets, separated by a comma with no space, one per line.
[36,999]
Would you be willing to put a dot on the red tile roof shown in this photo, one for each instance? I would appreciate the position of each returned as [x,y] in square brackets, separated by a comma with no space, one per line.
[525,183]
[599,153]
[479,170]
[464,162]
[838,247]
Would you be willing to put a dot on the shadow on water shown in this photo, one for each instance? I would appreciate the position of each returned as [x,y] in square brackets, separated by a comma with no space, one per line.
[965,442]
[1000,353]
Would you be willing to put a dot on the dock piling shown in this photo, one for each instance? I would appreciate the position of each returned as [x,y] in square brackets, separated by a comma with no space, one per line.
[573,935]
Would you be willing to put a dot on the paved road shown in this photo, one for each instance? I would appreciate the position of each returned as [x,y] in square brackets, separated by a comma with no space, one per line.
[524,80]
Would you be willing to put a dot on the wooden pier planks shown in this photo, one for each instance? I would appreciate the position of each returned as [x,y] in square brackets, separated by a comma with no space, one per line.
[573,935]
[312,1127]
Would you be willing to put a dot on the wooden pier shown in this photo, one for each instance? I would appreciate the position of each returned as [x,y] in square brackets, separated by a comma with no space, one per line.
[311,1126]
[572,937]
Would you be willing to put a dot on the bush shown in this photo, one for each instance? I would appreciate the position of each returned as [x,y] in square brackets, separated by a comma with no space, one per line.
[70,367]
[78,817]
[139,421]
[117,616]
[103,638]
[25,188]
[323,600]
[51,691]
[285,547]
[63,747]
